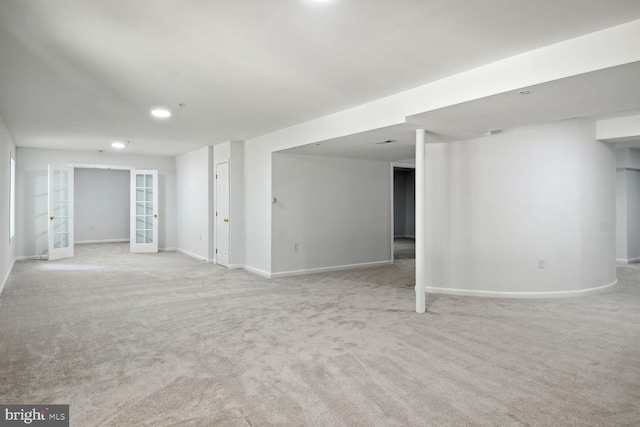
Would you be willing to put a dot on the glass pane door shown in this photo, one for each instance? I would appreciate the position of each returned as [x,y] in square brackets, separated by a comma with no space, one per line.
[60,212]
[144,212]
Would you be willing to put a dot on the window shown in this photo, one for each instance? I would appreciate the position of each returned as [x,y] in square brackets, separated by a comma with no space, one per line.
[12,197]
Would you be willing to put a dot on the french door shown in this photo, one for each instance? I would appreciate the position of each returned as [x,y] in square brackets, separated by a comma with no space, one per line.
[144,211]
[60,230]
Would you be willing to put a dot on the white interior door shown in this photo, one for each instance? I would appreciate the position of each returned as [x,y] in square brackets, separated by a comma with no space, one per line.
[144,211]
[60,212]
[222,214]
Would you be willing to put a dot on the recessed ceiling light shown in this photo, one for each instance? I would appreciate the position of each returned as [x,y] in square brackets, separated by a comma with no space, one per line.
[119,145]
[161,113]
[388,141]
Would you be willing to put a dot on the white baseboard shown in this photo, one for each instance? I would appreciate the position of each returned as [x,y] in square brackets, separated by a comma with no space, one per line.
[6,277]
[628,261]
[32,257]
[496,294]
[332,268]
[235,266]
[192,255]
[257,271]
[88,242]
[167,249]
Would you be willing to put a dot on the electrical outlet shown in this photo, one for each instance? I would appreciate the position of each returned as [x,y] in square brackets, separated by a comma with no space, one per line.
[541,263]
[296,247]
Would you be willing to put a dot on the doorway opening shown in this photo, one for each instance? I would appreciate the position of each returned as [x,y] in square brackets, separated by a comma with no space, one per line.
[102,205]
[404,208]
[112,208]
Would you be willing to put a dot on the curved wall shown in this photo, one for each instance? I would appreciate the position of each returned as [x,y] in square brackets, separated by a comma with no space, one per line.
[498,204]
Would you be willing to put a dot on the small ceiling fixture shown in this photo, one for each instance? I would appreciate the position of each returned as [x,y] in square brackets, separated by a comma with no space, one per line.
[161,113]
[118,144]
[387,141]
[524,92]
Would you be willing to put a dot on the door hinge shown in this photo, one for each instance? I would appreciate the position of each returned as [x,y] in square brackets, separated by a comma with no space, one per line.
[216,251]
[216,213]
[216,176]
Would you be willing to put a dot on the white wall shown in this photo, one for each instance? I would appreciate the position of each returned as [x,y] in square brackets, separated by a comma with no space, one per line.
[337,210]
[7,246]
[194,218]
[101,205]
[603,49]
[495,205]
[32,192]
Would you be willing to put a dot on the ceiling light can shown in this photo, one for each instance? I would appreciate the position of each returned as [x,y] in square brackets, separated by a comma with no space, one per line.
[161,113]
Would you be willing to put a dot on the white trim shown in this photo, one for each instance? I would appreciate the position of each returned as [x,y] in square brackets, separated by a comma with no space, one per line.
[94,166]
[234,266]
[192,255]
[6,278]
[333,268]
[497,294]
[32,258]
[167,249]
[90,242]
[628,261]
[257,271]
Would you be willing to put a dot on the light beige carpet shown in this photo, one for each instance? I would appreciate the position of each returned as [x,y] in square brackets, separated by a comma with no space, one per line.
[162,339]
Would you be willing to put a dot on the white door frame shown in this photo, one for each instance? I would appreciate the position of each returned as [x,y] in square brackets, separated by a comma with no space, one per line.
[393,166]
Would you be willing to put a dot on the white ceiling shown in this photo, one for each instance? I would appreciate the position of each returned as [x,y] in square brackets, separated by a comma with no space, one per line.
[77,74]
[600,94]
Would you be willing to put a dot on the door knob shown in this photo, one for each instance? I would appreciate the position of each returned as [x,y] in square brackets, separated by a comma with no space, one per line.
[155,215]
[52,217]
[226,220]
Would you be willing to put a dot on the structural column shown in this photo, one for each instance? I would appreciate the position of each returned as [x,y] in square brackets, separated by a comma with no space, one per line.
[420,238]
